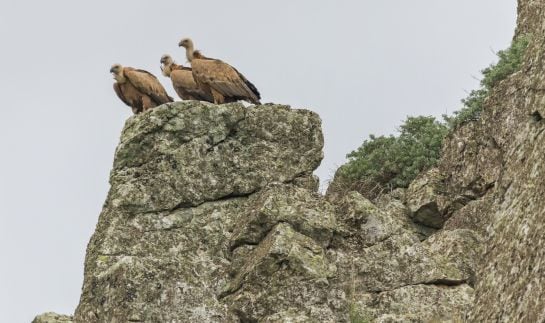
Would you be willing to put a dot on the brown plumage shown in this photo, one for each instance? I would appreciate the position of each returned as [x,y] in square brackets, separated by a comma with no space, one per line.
[182,81]
[220,79]
[138,89]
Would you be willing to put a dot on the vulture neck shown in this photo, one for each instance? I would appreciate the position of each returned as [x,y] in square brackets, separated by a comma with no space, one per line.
[189,51]
[120,78]
[166,70]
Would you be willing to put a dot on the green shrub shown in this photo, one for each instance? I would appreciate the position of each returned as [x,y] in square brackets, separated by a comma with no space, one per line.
[509,62]
[389,162]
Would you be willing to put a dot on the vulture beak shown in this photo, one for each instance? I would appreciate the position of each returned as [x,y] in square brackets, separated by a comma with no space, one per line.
[111,70]
[180,44]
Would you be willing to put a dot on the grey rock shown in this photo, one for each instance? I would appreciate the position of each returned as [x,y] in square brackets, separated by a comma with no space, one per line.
[425,200]
[51,317]
[213,216]
[186,153]
[192,185]
[511,274]
[363,224]
[446,258]
[286,270]
[419,304]
[307,212]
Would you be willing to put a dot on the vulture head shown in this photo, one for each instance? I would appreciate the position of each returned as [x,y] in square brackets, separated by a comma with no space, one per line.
[166,59]
[187,43]
[166,62]
[117,71]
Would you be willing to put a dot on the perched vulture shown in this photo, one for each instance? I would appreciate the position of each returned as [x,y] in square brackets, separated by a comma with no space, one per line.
[182,81]
[138,89]
[220,79]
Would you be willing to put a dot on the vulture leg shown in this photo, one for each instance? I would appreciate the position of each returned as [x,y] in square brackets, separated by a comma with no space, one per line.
[147,103]
[218,97]
[137,106]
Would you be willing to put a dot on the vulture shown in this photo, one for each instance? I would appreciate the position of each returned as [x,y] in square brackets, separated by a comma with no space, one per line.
[138,89]
[182,81]
[218,78]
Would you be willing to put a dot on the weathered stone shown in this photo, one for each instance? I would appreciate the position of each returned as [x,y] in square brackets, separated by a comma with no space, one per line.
[425,200]
[473,216]
[418,303]
[510,278]
[286,270]
[186,153]
[310,182]
[470,163]
[401,260]
[392,204]
[159,267]
[447,257]
[288,317]
[307,212]
[51,317]
[183,181]
[362,224]
[178,241]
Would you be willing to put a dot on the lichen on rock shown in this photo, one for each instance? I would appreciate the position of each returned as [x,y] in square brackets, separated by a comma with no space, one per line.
[51,317]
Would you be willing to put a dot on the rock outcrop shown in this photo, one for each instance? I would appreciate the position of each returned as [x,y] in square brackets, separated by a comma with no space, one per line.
[213,216]
[201,201]
[511,276]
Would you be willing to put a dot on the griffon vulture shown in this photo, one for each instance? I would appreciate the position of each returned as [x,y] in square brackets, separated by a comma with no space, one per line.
[182,81]
[138,89]
[220,79]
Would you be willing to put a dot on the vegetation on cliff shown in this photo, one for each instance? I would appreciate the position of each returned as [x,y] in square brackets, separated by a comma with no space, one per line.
[509,61]
[383,163]
[388,162]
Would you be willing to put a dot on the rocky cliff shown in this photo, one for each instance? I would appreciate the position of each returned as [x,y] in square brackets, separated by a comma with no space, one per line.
[213,216]
[511,276]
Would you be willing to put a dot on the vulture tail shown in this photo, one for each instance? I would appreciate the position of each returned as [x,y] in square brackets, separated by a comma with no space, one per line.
[254,90]
[251,87]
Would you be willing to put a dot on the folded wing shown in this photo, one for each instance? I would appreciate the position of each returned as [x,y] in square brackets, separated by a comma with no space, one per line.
[224,79]
[185,86]
[148,84]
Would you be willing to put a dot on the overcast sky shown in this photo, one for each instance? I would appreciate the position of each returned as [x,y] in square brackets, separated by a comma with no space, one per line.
[362,65]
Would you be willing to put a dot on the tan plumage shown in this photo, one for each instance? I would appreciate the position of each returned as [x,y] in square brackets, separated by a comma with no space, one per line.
[138,89]
[182,80]
[218,78]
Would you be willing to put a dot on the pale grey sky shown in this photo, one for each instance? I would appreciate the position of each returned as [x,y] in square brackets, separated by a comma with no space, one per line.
[362,65]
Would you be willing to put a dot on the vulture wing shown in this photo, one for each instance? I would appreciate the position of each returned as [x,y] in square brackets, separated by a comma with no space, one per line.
[148,84]
[249,85]
[225,79]
[186,87]
[119,93]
